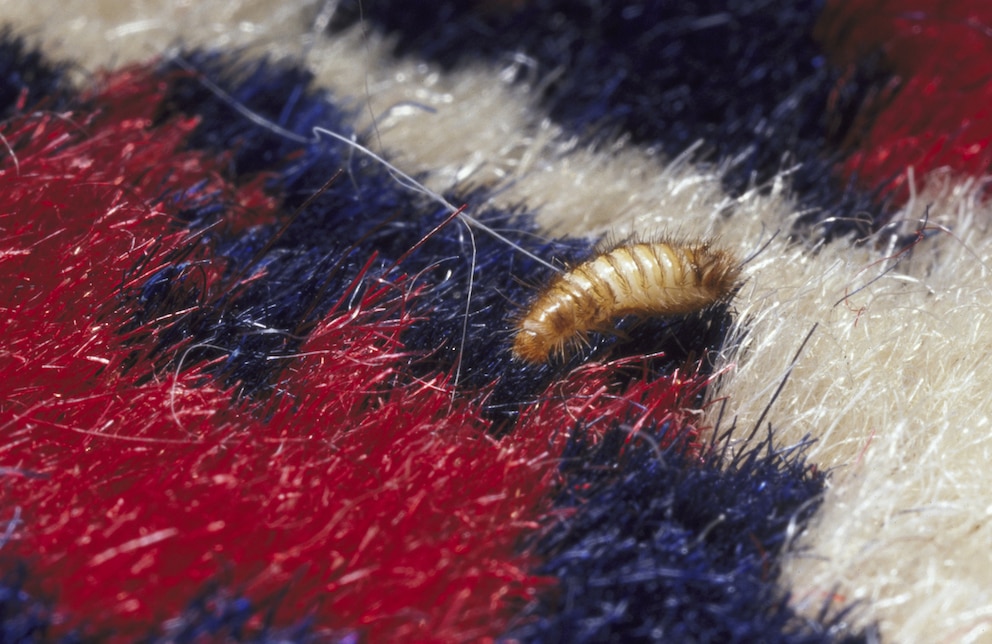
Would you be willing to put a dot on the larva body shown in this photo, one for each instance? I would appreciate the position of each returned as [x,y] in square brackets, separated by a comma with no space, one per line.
[641,279]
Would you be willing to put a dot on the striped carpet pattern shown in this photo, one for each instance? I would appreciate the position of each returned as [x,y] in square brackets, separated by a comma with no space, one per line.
[264,268]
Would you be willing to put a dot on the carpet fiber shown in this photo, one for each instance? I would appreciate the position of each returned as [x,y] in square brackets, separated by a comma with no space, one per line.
[265,263]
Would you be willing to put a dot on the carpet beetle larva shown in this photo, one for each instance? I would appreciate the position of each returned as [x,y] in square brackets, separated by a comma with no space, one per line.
[641,279]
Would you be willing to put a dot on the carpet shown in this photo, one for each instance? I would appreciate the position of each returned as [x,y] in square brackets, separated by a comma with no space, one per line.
[495,320]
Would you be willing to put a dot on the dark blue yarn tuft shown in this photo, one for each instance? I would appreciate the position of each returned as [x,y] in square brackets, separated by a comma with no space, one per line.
[27,77]
[669,547]
[23,618]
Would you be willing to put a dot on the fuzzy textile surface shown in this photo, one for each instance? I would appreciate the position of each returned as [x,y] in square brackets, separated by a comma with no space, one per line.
[264,263]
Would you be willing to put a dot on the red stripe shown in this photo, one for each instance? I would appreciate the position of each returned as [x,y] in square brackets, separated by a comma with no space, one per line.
[935,112]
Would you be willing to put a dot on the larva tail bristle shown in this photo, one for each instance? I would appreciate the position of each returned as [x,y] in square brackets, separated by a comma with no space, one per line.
[531,347]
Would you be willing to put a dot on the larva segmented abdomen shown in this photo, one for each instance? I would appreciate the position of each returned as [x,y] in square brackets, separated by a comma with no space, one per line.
[643,279]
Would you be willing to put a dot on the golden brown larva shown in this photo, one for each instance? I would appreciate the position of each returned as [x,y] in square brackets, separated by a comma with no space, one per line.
[641,279]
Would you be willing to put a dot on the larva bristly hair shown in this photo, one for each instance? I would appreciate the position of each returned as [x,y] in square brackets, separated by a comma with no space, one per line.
[643,279]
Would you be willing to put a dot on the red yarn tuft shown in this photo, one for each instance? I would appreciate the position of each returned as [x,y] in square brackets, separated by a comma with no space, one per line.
[935,112]
[591,399]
